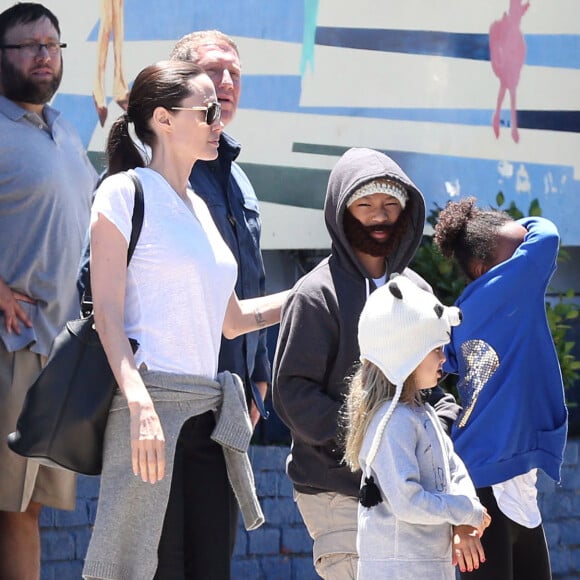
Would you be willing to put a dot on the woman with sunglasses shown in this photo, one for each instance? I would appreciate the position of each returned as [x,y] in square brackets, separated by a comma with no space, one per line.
[175,298]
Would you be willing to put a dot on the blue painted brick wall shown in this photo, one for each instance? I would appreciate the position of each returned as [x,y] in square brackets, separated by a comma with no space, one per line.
[282,549]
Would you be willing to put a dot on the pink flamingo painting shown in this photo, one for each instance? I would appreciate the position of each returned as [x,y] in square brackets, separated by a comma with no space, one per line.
[507,49]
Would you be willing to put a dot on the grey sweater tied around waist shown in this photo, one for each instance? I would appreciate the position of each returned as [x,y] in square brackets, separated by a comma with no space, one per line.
[130,513]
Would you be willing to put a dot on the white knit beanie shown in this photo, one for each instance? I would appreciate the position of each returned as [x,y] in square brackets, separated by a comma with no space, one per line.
[399,326]
[386,186]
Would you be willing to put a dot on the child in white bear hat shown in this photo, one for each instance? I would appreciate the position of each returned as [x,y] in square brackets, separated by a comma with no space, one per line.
[414,487]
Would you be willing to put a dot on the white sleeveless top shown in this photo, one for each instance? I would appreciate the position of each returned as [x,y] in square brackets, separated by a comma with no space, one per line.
[517,498]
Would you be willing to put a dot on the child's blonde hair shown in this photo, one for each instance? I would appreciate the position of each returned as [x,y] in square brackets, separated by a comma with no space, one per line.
[369,389]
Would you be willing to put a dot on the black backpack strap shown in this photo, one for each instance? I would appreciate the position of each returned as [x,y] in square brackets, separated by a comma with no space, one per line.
[136,225]
[138,213]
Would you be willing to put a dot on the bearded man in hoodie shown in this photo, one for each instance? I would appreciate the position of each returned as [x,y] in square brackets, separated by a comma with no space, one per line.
[375,217]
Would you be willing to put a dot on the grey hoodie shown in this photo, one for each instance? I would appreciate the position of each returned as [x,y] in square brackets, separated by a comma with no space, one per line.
[317,344]
[425,489]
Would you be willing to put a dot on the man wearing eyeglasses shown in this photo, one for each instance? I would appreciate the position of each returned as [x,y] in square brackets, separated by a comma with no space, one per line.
[234,207]
[46,182]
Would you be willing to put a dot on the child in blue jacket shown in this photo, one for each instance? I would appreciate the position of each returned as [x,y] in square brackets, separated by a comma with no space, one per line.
[514,418]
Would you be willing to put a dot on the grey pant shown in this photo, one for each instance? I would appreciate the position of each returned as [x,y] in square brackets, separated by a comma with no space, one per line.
[331,520]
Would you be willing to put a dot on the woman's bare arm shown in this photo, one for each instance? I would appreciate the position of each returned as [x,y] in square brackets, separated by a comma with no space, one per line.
[108,283]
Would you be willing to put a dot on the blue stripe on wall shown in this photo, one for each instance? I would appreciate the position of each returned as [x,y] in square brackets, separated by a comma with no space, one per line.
[160,20]
[553,186]
[473,46]
[551,50]
[282,94]
[80,111]
[566,121]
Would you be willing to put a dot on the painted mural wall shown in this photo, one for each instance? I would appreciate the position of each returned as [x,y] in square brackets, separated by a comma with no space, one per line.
[471,98]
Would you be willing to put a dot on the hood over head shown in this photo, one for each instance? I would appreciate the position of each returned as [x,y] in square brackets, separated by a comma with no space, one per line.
[354,169]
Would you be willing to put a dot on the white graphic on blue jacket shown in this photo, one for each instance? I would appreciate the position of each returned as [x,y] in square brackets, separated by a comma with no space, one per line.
[481,362]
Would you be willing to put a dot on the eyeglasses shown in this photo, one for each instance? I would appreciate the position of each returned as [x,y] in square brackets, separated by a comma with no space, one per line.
[213,112]
[34,48]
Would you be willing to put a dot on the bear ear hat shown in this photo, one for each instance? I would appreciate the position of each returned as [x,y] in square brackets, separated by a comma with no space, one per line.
[395,290]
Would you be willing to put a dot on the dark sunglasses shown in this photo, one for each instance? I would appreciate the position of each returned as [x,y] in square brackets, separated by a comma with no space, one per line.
[213,112]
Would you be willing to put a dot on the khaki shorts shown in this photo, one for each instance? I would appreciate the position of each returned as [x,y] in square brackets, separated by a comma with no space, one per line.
[23,480]
[331,520]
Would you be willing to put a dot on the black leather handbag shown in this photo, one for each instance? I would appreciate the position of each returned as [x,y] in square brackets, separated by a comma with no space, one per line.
[64,416]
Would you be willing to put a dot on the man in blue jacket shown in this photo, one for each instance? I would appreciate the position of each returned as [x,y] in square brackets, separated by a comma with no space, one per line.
[233,204]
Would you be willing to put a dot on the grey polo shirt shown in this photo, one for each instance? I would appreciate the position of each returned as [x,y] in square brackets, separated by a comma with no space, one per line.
[46,183]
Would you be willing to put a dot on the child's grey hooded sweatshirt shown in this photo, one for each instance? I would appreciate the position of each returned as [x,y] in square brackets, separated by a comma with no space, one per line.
[425,490]
[317,345]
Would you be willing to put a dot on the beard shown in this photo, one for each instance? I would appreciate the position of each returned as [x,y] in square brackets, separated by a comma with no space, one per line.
[360,237]
[21,89]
